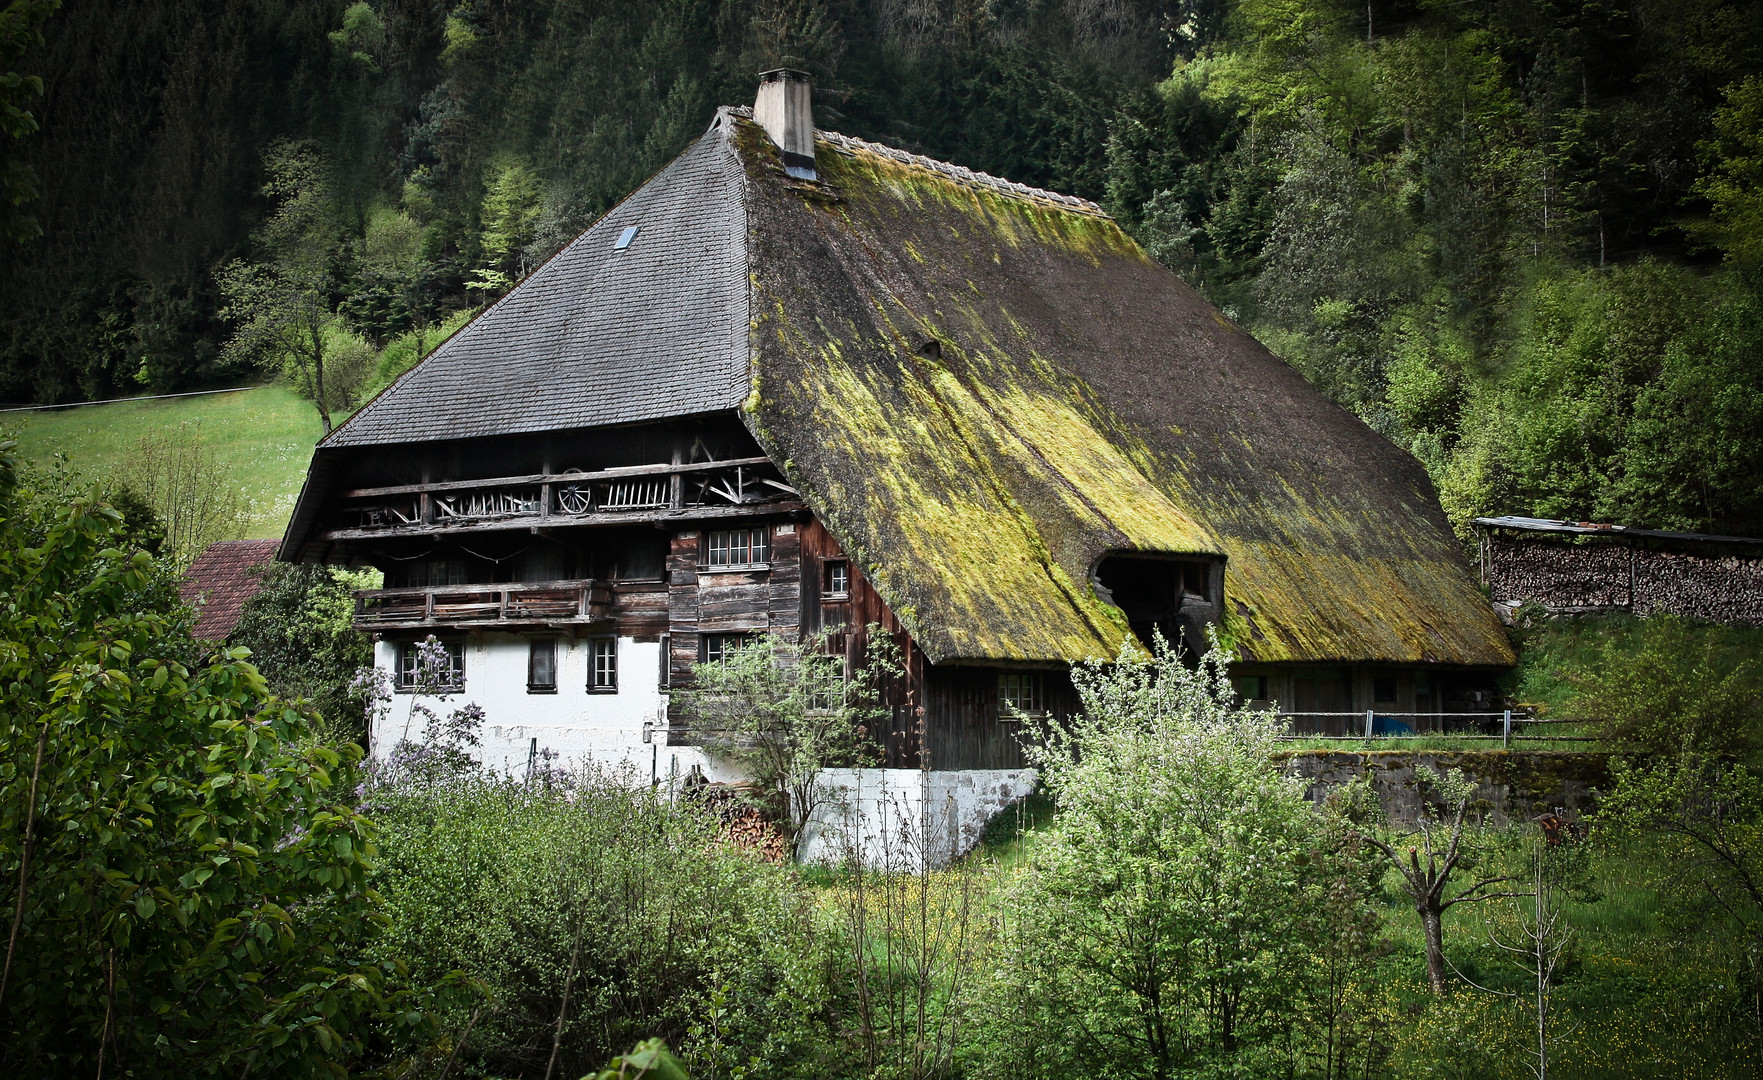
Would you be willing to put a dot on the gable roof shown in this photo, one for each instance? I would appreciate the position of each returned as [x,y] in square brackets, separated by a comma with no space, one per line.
[600,334]
[220,581]
[981,388]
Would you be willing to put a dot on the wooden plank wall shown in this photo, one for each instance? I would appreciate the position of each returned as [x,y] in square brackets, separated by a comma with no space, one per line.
[957,707]
[704,601]
[640,609]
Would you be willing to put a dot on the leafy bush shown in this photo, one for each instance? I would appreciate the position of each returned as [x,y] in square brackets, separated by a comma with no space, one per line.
[596,913]
[1166,922]
[188,871]
[1662,683]
[300,628]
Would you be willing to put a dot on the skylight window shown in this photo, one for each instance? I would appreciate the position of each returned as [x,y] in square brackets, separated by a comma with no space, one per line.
[625,238]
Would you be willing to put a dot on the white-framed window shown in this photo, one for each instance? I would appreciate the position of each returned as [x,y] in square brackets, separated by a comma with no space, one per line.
[603,665]
[835,580]
[410,666]
[541,666]
[664,677]
[1021,692]
[738,547]
[716,648]
[827,687]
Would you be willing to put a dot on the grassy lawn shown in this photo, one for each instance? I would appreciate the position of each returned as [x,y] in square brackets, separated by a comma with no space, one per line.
[263,437]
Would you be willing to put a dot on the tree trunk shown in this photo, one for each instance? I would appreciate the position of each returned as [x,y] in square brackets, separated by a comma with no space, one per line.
[1431,920]
[24,861]
[324,412]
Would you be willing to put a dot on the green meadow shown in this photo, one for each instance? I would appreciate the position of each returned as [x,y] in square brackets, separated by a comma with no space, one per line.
[262,437]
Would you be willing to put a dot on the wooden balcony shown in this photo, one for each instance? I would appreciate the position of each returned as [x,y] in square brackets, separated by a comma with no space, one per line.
[625,495]
[510,605]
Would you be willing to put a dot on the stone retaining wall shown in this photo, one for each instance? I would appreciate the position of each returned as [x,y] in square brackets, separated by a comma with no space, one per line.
[1513,786]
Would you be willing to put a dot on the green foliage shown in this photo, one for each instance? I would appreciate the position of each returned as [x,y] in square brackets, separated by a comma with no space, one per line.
[604,886]
[650,1059]
[510,212]
[300,629]
[783,711]
[190,873]
[1733,184]
[1664,684]
[1164,924]
[20,29]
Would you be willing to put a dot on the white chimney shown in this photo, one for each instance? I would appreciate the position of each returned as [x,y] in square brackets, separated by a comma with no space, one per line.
[785,109]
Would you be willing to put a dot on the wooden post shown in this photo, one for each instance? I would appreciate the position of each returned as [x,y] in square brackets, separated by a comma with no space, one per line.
[1506,738]
[1368,724]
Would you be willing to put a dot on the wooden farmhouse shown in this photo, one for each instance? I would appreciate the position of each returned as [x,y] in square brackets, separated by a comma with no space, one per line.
[799,381]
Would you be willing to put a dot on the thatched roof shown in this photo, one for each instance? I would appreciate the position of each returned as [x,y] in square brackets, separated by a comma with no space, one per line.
[981,388]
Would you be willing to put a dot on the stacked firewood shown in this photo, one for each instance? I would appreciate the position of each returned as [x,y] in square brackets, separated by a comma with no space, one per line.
[1558,575]
[1568,576]
[745,824]
[750,831]
[1717,589]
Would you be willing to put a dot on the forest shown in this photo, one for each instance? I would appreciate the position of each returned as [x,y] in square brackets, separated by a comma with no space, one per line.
[1518,237]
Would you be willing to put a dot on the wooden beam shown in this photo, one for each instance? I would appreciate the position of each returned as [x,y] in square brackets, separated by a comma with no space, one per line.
[622,472]
[560,521]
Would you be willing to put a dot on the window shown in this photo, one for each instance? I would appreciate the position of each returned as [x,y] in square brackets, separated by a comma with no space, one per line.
[738,547]
[541,666]
[665,678]
[427,573]
[715,648]
[1383,689]
[838,580]
[449,673]
[1251,687]
[1020,691]
[603,665]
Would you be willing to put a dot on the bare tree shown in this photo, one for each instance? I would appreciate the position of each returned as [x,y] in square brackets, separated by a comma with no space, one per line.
[1543,939]
[1441,852]
[189,489]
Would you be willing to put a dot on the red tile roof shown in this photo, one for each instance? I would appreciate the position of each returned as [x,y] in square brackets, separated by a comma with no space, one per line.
[220,581]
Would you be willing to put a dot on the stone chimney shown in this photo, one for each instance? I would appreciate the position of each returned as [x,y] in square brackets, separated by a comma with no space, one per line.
[785,110]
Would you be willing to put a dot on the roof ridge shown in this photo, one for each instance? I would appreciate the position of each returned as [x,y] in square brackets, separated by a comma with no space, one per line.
[958,173]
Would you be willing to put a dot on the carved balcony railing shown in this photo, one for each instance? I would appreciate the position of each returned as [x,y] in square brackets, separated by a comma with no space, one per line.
[544,603]
[633,493]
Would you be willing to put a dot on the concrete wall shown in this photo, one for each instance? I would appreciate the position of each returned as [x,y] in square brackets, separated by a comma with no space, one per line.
[906,819]
[1515,786]
[622,730]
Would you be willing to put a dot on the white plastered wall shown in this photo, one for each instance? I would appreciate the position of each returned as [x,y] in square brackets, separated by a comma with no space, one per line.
[623,730]
[905,819]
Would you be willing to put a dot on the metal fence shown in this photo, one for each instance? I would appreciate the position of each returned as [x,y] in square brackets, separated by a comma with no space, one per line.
[1507,726]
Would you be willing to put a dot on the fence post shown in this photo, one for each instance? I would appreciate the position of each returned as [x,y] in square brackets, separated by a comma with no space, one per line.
[1506,738]
[1367,725]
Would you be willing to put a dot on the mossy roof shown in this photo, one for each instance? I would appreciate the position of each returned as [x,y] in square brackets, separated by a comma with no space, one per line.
[981,389]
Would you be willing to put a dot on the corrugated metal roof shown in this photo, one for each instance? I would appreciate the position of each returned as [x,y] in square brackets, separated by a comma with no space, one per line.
[1595,528]
[603,333]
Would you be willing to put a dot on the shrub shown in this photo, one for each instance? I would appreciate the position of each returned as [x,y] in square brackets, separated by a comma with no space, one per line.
[595,887]
[1163,923]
